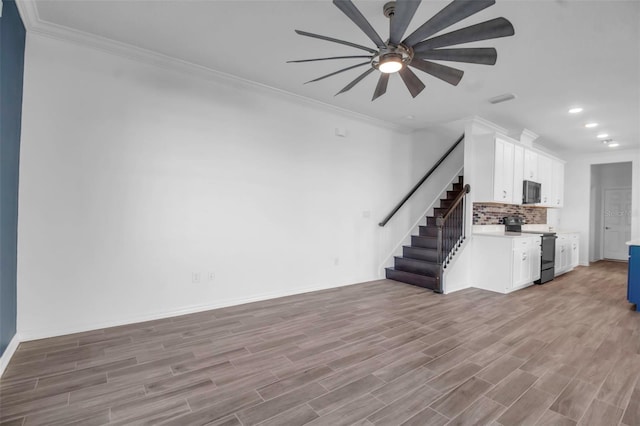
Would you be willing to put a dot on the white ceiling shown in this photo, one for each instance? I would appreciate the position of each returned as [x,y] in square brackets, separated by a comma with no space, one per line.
[564,53]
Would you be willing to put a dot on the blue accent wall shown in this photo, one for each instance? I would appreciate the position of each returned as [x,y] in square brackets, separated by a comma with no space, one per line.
[12,37]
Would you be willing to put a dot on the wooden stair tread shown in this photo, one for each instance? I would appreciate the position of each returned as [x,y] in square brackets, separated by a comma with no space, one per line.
[420,253]
[417,266]
[410,278]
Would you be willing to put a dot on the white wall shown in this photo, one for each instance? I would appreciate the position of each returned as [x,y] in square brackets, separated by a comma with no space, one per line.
[134,176]
[578,194]
[604,176]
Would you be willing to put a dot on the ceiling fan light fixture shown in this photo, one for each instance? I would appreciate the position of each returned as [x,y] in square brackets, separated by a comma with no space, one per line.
[397,54]
[390,63]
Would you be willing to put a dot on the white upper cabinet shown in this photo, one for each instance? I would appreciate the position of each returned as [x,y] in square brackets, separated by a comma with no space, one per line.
[518,172]
[551,178]
[530,165]
[503,171]
[545,179]
[557,183]
[501,164]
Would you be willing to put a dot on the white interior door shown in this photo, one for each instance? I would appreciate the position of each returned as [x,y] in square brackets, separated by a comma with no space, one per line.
[617,223]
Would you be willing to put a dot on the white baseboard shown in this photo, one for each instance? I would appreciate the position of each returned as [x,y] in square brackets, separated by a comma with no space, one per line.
[26,335]
[8,353]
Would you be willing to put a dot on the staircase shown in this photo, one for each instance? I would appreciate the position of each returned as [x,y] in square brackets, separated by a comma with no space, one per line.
[423,262]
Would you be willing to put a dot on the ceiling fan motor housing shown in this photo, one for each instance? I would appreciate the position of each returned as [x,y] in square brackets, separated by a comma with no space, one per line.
[398,53]
[389,9]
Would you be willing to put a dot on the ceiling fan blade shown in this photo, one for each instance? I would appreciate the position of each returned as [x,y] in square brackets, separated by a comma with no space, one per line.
[412,81]
[443,72]
[404,11]
[339,71]
[326,59]
[352,12]
[454,12]
[381,88]
[356,81]
[335,40]
[479,55]
[495,28]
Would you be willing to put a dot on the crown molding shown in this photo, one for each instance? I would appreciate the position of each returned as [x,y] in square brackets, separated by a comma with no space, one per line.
[28,12]
[37,26]
[486,125]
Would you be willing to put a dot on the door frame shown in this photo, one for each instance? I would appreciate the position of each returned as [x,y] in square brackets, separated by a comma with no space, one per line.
[602,197]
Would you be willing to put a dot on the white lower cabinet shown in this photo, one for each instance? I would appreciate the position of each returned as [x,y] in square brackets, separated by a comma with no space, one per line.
[560,260]
[567,252]
[504,264]
[536,257]
[575,250]
[526,261]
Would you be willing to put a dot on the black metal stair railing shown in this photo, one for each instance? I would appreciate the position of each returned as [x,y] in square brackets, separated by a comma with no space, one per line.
[451,233]
[419,184]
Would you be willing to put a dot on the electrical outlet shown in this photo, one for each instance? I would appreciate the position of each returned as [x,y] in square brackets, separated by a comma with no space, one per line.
[211,276]
[336,261]
[195,277]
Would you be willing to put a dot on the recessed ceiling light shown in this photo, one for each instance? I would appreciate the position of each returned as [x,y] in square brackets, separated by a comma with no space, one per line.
[591,125]
[575,110]
[613,144]
[409,117]
[602,135]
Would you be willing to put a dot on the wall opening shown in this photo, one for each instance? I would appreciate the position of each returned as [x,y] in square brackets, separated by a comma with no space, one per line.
[610,210]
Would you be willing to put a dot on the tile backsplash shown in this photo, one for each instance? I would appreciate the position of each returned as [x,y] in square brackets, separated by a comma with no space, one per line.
[492,213]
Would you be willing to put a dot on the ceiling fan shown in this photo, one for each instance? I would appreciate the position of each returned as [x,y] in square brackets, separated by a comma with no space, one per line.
[418,49]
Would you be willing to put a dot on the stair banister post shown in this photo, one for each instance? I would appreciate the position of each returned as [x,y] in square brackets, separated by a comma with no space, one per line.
[439,224]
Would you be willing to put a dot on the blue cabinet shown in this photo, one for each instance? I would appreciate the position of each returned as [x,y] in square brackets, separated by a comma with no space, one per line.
[633,283]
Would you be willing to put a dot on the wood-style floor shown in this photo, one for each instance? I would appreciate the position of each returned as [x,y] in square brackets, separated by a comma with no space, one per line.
[564,353]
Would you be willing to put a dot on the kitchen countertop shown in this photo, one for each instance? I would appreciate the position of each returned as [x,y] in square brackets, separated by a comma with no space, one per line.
[503,234]
[633,243]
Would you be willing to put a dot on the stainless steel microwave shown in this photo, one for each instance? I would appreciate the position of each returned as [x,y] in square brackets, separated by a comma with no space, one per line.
[530,192]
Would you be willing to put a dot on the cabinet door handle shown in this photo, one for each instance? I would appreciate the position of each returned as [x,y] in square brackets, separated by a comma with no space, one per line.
[504,194]
[524,256]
